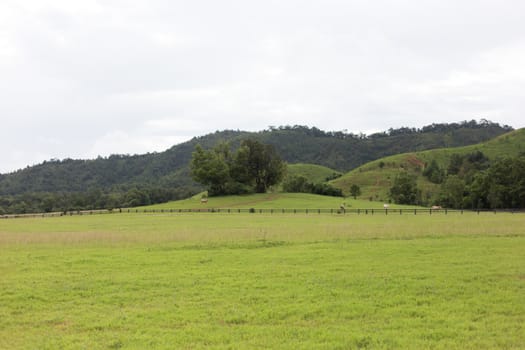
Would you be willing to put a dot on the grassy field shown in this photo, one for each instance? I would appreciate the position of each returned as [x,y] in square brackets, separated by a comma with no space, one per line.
[248,281]
[274,201]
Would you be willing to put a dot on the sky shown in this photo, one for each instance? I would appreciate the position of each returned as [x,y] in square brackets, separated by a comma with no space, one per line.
[87,78]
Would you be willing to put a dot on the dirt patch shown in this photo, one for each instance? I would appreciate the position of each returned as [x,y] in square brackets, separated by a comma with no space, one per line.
[415,161]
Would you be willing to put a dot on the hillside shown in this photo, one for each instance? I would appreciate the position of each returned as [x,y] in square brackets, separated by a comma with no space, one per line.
[312,172]
[375,178]
[298,144]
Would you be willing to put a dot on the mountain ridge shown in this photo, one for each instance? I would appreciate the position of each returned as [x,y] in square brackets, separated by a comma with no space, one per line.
[338,150]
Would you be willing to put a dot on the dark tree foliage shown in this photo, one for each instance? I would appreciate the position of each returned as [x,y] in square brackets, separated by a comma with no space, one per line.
[258,164]
[404,190]
[434,173]
[300,184]
[505,180]
[478,184]
[355,191]
[453,192]
[212,168]
[297,184]
[254,167]
[46,202]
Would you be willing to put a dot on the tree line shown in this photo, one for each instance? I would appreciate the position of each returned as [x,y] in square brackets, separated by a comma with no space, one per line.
[46,202]
[469,181]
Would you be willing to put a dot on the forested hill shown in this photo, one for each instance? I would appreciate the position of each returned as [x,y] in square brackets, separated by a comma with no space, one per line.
[296,144]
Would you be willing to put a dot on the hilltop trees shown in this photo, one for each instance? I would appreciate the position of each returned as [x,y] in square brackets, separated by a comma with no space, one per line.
[254,167]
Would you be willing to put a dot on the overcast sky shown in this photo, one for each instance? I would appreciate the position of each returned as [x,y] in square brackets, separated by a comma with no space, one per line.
[82,78]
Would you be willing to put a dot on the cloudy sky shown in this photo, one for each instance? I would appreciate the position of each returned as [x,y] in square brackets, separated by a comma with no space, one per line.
[82,78]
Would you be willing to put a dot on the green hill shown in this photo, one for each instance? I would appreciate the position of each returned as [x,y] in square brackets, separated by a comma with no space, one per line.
[312,172]
[132,180]
[375,178]
[296,144]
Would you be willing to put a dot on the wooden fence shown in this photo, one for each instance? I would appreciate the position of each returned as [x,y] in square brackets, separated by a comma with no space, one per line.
[376,211]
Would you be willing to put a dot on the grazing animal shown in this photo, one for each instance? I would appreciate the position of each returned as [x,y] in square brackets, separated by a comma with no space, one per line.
[204,200]
[436,207]
[386,206]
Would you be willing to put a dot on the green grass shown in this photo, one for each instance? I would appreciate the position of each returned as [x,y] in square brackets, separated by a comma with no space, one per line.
[246,281]
[313,172]
[273,201]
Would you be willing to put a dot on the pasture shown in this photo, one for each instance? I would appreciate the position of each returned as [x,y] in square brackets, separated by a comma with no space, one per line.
[274,201]
[248,281]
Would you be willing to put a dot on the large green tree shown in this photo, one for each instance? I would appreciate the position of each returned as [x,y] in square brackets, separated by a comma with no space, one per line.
[258,164]
[253,168]
[211,168]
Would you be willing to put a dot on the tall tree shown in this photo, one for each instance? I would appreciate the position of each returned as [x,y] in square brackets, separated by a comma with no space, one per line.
[210,168]
[259,164]
[254,166]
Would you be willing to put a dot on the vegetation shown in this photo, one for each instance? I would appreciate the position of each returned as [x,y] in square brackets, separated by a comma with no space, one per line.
[219,281]
[168,171]
[502,185]
[254,167]
[355,191]
[464,177]
[404,189]
[300,184]
[46,202]
[312,172]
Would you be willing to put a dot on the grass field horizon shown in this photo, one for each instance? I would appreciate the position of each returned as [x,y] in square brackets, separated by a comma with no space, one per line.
[274,200]
[220,281]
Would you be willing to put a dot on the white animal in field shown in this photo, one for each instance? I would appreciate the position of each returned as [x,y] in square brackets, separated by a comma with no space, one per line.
[436,207]
[386,206]
[204,200]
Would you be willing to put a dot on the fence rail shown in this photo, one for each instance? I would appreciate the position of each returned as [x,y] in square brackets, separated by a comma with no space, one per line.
[358,211]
